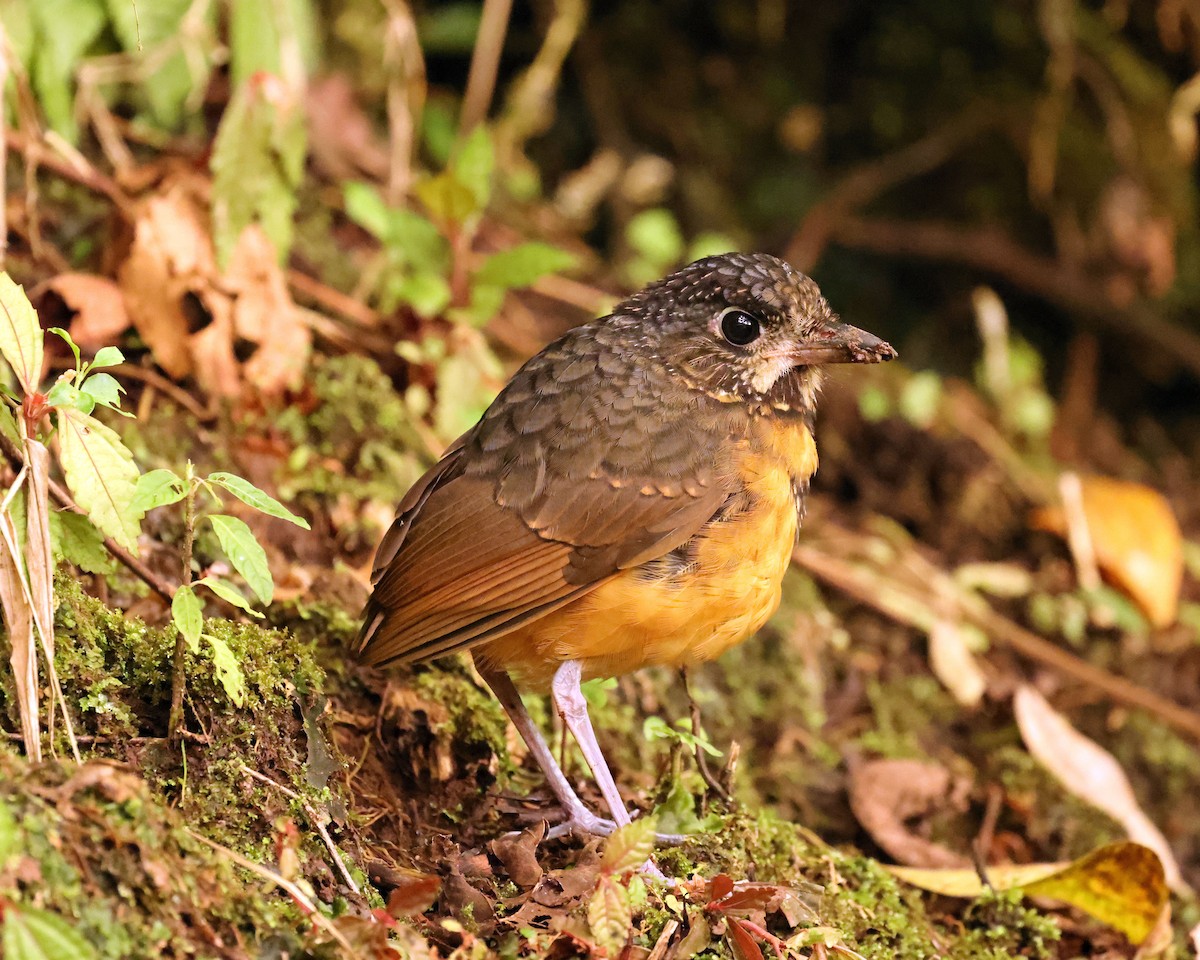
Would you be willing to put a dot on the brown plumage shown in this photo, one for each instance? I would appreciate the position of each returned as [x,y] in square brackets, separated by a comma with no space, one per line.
[630,498]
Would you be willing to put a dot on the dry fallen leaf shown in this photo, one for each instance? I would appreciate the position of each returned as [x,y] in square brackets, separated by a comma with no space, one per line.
[1121,885]
[1136,540]
[171,256]
[884,794]
[1089,772]
[98,305]
[954,664]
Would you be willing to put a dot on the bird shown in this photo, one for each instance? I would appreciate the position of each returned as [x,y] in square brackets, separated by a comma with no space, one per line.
[631,498]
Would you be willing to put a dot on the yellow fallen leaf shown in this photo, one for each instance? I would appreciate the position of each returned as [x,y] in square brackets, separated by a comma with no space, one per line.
[1136,540]
[1121,885]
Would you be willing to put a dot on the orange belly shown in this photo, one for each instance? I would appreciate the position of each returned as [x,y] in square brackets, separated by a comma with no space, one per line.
[632,620]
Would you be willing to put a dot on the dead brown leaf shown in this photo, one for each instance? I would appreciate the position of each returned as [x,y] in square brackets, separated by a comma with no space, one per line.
[1136,540]
[98,305]
[1091,773]
[518,853]
[884,794]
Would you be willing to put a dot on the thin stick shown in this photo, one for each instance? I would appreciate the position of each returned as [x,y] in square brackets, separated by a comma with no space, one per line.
[310,909]
[701,759]
[485,62]
[314,819]
[865,586]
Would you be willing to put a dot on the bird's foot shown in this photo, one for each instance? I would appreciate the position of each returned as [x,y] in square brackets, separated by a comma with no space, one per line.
[585,822]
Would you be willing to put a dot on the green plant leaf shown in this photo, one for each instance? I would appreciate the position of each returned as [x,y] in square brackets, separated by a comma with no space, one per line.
[64,30]
[448,201]
[366,207]
[229,671]
[144,29]
[250,495]
[104,389]
[257,31]
[188,615]
[523,264]
[101,475]
[245,553]
[257,163]
[474,166]
[65,394]
[427,293]
[107,357]
[609,915]
[157,488]
[629,847]
[77,541]
[229,593]
[9,833]
[66,338]
[20,334]
[31,934]
[655,235]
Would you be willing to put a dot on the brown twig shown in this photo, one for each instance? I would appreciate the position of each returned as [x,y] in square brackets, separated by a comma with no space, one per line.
[991,251]
[405,96]
[64,499]
[332,300]
[38,154]
[865,183]
[485,61]
[313,819]
[701,760]
[901,603]
[293,890]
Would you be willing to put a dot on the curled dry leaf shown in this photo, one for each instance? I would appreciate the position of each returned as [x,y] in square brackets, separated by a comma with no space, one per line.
[197,320]
[1091,773]
[884,794]
[1121,885]
[1136,540]
[98,305]
[171,257]
[519,854]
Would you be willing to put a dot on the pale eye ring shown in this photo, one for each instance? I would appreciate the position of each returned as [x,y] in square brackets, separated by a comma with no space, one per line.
[739,327]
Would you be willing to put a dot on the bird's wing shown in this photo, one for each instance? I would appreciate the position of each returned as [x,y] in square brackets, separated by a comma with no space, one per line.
[555,491]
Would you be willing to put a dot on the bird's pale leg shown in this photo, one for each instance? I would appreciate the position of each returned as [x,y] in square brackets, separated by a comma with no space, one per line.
[572,707]
[579,817]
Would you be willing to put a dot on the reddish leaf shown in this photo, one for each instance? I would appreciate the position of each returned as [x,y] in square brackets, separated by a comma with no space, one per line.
[742,943]
[413,895]
[720,887]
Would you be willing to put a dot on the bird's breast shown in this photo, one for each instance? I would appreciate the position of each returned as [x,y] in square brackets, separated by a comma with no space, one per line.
[704,597]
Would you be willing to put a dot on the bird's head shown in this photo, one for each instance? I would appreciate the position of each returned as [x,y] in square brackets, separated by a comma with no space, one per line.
[748,327]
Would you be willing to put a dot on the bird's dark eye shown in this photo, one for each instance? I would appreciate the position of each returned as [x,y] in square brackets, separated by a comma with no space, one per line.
[740,328]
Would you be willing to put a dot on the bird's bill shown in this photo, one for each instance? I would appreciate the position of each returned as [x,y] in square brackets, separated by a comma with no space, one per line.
[842,344]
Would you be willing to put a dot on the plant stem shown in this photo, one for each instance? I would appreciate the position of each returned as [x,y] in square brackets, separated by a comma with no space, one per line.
[178,663]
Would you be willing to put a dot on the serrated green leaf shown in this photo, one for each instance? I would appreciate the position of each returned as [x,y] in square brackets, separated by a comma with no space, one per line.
[523,264]
[188,615]
[609,915]
[157,488]
[629,847]
[257,162]
[31,934]
[101,475]
[245,553]
[77,541]
[9,833]
[107,357]
[104,389]
[366,207]
[250,495]
[229,671]
[475,164]
[228,592]
[419,244]
[20,334]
